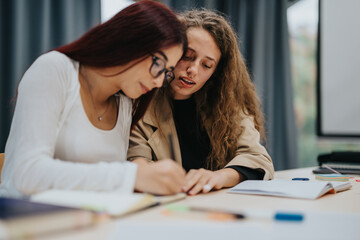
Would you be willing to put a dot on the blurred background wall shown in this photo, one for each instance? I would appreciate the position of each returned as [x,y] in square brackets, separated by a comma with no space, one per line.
[29,28]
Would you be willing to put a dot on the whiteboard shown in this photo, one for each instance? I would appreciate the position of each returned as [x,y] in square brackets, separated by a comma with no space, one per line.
[339,68]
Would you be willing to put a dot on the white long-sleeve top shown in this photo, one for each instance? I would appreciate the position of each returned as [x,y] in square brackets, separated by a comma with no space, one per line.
[53,145]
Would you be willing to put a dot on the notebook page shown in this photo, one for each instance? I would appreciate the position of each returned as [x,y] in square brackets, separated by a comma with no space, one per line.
[113,203]
[283,188]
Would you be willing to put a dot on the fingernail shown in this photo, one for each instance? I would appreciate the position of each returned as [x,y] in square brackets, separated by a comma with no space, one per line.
[206,188]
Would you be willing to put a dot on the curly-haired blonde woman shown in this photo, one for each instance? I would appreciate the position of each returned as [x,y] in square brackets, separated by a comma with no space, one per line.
[211,109]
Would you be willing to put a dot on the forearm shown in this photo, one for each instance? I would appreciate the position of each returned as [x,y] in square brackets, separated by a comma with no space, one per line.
[230,177]
[45,174]
[256,162]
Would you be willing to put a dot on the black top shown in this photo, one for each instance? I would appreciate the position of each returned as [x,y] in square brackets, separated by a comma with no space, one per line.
[194,140]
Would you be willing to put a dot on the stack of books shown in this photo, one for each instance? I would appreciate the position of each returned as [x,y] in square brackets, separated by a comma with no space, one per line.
[58,210]
[21,218]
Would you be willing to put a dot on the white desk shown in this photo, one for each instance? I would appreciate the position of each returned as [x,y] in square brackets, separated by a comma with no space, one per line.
[333,216]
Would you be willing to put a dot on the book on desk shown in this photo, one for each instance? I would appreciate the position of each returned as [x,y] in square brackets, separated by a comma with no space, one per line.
[289,188]
[115,204]
[57,210]
[21,218]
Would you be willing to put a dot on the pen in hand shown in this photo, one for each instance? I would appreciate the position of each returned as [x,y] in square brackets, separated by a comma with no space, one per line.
[172,151]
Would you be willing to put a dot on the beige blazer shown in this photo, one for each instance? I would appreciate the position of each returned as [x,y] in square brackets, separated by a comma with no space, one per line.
[147,141]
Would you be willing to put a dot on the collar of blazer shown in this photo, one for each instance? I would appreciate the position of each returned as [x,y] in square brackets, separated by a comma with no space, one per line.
[159,107]
[159,140]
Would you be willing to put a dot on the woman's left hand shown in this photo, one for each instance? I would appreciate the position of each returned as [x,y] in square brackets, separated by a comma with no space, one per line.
[202,180]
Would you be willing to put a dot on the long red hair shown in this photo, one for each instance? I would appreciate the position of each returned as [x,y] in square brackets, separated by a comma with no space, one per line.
[141,28]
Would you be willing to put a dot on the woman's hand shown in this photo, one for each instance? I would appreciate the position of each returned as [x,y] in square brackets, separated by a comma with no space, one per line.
[162,177]
[198,180]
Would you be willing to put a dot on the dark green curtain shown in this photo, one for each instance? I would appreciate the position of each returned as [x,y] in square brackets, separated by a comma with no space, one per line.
[29,28]
[262,29]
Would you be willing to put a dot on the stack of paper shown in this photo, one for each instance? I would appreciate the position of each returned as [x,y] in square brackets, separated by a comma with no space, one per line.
[332,177]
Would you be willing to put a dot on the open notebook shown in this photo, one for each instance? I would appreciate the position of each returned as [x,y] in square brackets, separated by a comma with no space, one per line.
[112,203]
[289,188]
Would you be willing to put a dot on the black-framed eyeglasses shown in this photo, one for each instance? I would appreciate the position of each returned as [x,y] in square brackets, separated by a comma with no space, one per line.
[158,66]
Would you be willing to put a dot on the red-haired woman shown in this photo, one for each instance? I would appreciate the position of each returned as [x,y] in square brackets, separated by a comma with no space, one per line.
[76,104]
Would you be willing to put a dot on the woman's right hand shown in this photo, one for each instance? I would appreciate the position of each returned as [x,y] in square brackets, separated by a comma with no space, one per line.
[163,177]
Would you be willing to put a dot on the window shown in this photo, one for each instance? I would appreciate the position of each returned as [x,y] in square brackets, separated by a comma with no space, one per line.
[303,23]
[110,7]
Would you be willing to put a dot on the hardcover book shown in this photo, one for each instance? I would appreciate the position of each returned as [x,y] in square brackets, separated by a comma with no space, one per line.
[20,218]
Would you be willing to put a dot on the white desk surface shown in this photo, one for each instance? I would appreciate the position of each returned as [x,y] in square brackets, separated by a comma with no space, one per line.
[332,216]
